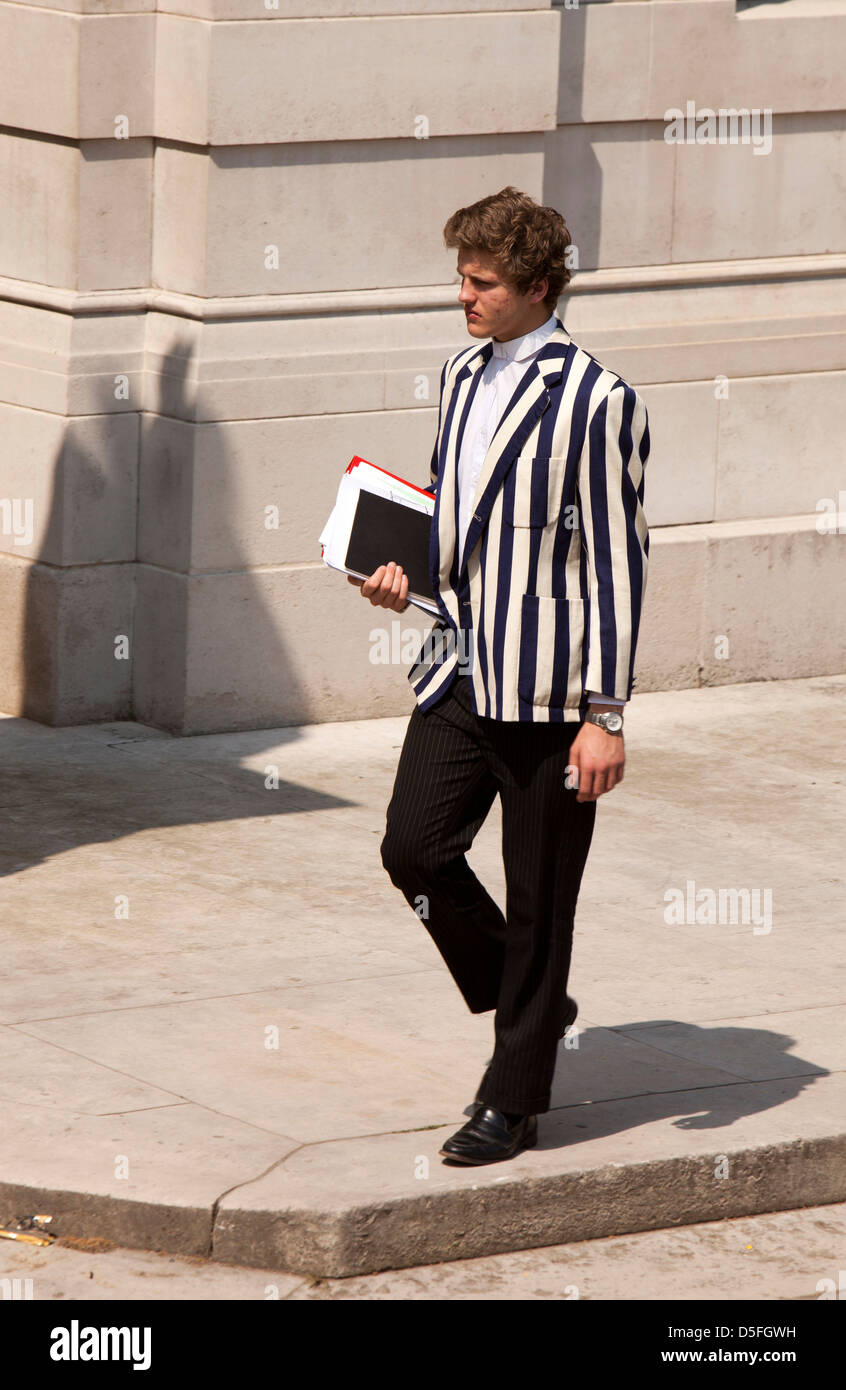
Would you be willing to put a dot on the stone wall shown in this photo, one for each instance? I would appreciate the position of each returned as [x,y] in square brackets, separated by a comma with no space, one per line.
[222,275]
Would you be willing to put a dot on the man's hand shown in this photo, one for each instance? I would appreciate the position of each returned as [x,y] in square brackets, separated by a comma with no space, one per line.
[387,587]
[599,759]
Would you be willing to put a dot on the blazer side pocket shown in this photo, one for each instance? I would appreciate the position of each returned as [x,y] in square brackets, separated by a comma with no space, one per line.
[551,644]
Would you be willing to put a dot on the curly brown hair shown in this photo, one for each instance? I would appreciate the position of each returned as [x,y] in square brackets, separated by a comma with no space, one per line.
[527,240]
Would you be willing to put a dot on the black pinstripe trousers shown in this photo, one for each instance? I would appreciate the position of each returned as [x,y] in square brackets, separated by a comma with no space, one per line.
[452,765]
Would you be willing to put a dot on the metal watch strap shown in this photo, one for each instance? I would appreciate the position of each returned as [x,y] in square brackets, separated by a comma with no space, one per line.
[602,720]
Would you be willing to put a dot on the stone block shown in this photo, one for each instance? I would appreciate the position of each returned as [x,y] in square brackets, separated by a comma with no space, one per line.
[731,202]
[235,495]
[667,656]
[77,75]
[266,648]
[613,184]
[307,218]
[64,636]
[355,79]
[768,589]
[776,56]
[777,453]
[604,63]
[681,471]
[71,485]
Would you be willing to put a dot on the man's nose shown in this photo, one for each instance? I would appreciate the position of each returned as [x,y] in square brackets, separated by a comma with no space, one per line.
[465,294]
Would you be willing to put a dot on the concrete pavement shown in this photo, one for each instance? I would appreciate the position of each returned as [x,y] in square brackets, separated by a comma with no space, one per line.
[223,1032]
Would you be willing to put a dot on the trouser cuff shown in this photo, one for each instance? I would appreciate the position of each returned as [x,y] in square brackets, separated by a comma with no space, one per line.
[517,1105]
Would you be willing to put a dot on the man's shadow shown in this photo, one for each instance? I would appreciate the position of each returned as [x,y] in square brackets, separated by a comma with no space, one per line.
[738,1072]
[153,775]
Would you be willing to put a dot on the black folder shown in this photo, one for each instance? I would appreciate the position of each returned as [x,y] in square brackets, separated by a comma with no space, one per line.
[384,530]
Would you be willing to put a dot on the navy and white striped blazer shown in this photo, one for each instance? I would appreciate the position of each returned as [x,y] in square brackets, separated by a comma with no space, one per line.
[547,603]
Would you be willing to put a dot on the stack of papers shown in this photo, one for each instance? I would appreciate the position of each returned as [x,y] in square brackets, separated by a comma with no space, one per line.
[379,517]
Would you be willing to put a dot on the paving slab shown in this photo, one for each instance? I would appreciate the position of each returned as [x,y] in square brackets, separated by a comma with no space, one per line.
[223,1032]
[605,1169]
[143,1178]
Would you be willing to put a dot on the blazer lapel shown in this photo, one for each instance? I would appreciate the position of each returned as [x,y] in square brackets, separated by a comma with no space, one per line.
[522,413]
[444,528]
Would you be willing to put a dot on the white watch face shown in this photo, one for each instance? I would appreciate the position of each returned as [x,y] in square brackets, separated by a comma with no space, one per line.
[612,723]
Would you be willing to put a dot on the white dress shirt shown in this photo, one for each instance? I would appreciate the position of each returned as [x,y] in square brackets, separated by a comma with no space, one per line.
[498,382]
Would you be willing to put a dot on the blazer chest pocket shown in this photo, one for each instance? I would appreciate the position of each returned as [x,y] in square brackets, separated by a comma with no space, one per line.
[538,489]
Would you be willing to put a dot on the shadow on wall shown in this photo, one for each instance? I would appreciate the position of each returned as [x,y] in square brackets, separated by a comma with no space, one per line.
[208,649]
[572,177]
[753,4]
[141,604]
[60,792]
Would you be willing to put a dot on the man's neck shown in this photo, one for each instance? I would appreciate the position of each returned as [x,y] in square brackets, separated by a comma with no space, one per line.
[528,327]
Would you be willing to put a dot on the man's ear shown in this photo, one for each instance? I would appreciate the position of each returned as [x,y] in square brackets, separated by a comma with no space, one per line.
[539,291]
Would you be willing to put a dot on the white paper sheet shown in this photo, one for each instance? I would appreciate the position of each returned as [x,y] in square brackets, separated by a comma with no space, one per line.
[335,536]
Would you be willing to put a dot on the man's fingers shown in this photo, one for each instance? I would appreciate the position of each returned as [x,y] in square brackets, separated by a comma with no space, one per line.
[591,785]
[597,772]
[387,587]
[369,586]
[399,592]
[391,585]
[584,782]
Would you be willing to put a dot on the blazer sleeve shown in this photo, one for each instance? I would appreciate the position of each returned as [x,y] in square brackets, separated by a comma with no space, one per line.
[432,485]
[615,537]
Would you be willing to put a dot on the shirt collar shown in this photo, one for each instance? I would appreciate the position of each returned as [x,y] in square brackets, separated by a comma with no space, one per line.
[520,349]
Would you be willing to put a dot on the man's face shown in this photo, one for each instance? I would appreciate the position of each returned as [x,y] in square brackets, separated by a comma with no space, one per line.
[492,306]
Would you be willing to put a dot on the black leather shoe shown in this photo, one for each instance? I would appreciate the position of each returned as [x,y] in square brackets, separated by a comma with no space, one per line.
[569,1020]
[489,1137]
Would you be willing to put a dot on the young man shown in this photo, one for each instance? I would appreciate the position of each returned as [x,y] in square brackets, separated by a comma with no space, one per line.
[538,558]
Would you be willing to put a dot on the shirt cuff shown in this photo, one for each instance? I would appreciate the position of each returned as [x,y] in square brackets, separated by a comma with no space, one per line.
[596,698]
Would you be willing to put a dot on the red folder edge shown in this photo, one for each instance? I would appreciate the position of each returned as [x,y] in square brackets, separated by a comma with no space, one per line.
[354,462]
[357,459]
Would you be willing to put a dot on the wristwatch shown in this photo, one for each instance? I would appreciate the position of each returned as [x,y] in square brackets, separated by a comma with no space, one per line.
[611,723]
